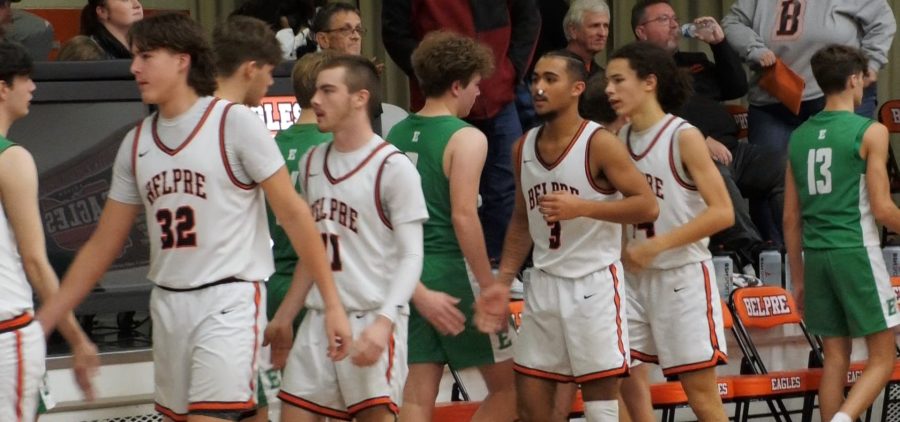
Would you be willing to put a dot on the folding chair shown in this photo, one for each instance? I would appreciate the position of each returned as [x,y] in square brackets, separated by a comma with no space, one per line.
[766,307]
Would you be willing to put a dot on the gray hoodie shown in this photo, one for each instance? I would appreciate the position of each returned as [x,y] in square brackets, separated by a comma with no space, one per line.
[753,27]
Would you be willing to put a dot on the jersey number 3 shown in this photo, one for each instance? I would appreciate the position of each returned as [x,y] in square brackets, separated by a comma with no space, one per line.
[182,235]
[818,171]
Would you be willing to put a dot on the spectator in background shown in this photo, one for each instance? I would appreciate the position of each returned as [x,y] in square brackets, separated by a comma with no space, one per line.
[107,23]
[761,31]
[586,26]
[746,169]
[80,48]
[510,29]
[31,31]
[338,27]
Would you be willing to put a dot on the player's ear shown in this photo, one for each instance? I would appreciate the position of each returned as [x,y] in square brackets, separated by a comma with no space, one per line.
[650,82]
[456,87]
[578,88]
[361,98]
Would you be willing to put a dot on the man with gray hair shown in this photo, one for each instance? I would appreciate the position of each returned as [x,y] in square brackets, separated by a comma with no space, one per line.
[586,26]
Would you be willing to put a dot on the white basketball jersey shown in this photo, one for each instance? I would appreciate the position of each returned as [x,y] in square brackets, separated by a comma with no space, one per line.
[204,224]
[656,154]
[358,237]
[570,248]
[15,291]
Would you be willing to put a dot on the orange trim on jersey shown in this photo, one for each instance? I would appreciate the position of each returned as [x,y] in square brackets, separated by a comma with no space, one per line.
[20,377]
[159,143]
[710,315]
[764,306]
[587,166]
[15,323]
[370,403]
[378,206]
[257,298]
[718,358]
[572,142]
[226,406]
[169,413]
[336,180]
[617,299]
[537,373]
[682,182]
[638,157]
[312,407]
[643,357]
[134,147]
[390,360]
[620,371]
[231,176]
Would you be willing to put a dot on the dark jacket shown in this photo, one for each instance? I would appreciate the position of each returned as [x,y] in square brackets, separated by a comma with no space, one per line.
[508,27]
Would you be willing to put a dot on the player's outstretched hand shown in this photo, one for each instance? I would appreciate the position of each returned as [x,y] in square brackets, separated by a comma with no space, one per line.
[439,309]
[84,364]
[340,337]
[559,205]
[371,343]
[638,256]
[280,336]
[492,308]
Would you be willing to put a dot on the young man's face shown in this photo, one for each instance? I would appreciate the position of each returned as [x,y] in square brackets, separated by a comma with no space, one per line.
[17,95]
[467,96]
[626,91]
[333,102]
[260,81]
[344,34]
[660,27]
[593,31]
[552,87]
[158,72]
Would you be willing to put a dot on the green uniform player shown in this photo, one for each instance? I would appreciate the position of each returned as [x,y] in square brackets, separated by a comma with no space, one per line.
[424,140]
[836,187]
[844,271]
[450,155]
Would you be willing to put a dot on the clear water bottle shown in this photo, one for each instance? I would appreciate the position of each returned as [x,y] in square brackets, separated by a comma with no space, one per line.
[692,30]
[892,260]
[770,268]
[724,267]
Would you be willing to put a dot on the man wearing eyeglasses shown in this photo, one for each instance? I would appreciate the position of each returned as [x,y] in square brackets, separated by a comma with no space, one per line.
[746,169]
[338,27]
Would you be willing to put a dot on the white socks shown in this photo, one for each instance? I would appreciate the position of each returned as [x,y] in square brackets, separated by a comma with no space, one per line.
[838,417]
[602,411]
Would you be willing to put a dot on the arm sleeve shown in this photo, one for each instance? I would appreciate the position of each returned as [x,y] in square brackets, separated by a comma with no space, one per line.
[397,33]
[123,187]
[409,268]
[878,27]
[526,25]
[251,150]
[730,74]
[739,32]
[405,207]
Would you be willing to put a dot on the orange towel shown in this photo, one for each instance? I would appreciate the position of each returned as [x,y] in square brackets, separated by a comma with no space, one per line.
[784,84]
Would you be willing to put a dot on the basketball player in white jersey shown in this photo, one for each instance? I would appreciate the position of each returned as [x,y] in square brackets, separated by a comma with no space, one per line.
[199,166]
[575,187]
[367,200]
[23,259]
[675,315]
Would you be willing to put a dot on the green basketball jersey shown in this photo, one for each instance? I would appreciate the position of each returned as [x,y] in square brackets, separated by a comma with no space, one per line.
[293,143]
[830,178]
[424,140]
[5,143]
